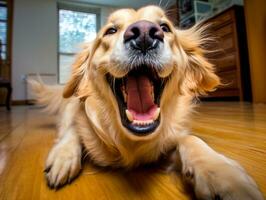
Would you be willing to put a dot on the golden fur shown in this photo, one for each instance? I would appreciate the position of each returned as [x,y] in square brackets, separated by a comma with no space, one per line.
[187,61]
[89,113]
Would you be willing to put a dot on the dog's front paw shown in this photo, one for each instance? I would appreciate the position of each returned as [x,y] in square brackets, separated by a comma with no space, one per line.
[63,164]
[220,179]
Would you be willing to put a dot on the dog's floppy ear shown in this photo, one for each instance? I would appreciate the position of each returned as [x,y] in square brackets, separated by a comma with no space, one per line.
[199,72]
[78,69]
[200,76]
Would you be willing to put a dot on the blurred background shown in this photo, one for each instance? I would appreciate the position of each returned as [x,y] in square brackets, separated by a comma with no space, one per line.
[42,37]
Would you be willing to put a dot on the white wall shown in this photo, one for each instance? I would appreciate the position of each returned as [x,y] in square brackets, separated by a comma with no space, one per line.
[34,48]
[105,12]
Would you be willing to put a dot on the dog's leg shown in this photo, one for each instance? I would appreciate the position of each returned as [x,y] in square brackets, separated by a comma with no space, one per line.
[64,160]
[212,175]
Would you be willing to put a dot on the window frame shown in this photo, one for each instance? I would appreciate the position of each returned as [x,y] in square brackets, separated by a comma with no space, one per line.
[5,21]
[76,8]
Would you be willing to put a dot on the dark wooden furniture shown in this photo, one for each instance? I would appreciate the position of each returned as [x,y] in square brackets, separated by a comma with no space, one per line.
[5,61]
[231,59]
[6,84]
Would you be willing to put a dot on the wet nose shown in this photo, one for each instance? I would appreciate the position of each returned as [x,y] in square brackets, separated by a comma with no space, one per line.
[144,35]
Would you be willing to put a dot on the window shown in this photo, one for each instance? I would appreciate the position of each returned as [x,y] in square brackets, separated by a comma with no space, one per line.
[76,26]
[3,30]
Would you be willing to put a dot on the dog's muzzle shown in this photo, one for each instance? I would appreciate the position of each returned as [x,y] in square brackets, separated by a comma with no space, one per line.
[138,93]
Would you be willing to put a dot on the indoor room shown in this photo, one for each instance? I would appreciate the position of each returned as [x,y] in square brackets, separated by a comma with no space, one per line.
[143,99]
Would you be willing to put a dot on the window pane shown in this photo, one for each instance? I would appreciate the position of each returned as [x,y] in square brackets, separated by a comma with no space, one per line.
[3,48]
[3,32]
[3,13]
[3,52]
[65,62]
[74,29]
[3,55]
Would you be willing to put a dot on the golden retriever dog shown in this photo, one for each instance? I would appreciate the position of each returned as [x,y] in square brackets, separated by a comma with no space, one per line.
[128,101]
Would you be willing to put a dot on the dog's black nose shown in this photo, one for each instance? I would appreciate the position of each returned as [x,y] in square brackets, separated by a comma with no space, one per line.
[144,35]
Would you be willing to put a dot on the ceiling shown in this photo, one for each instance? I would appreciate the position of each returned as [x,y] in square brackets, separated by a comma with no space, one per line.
[129,3]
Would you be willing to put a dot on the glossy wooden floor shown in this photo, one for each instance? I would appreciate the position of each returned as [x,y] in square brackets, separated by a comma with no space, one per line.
[26,135]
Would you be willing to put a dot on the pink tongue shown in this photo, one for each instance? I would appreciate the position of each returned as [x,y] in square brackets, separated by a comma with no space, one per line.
[139,94]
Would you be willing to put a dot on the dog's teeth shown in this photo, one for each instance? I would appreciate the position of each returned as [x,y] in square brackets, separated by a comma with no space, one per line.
[129,115]
[135,122]
[142,123]
[152,93]
[124,93]
[148,122]
[156,114]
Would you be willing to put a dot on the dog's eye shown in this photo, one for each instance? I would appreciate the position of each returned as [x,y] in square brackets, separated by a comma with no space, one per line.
[165,28]
[110,31]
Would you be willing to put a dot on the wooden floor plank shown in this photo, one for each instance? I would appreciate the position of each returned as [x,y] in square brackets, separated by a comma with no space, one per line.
[237,130]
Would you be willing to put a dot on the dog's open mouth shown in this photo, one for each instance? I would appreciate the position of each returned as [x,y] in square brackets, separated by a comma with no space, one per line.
[138,95]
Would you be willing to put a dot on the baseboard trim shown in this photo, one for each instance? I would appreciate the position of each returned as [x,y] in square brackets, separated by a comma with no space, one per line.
[22,102]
